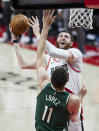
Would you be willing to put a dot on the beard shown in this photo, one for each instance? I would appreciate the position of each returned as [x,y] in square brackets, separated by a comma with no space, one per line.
[67,46]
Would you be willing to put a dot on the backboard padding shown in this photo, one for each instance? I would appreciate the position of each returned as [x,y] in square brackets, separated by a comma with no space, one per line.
[92,4]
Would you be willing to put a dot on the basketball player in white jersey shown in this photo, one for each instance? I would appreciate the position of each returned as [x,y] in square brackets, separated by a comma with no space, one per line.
[74,68]
[71,59]
[63,55]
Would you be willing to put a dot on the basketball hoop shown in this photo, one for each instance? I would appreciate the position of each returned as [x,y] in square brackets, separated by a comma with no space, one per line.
[81,17]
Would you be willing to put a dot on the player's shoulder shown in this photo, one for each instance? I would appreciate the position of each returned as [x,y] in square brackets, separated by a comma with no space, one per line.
[76,51]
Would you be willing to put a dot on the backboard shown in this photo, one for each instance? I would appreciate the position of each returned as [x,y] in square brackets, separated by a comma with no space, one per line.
[46,4]
[92,4]
[50,4]
[82,16]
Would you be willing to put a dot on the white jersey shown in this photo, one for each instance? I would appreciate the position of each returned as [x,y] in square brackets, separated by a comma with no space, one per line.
[74,69]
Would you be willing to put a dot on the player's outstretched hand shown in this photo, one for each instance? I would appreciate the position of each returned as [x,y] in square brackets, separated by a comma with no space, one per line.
[83,91]
[48,17]
[34,23]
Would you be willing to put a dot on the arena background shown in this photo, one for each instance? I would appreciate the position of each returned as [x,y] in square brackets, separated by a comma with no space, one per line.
[18,88]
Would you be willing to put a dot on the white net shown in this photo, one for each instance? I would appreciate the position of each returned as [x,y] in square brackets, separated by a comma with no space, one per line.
[81,17]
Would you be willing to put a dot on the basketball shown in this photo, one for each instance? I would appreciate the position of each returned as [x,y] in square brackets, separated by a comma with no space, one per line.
[19,25]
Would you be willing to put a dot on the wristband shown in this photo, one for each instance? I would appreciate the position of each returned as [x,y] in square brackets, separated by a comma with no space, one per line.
[15,41]
[18,39]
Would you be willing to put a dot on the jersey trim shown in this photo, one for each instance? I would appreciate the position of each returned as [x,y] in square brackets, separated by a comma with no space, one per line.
[48,62]
[56,60]
[74,68]
[69,91]
[46,85]
[57,90]
[68,98]
[82,118]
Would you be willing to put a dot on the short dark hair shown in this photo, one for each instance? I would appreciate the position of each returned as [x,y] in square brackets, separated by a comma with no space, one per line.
[59,77]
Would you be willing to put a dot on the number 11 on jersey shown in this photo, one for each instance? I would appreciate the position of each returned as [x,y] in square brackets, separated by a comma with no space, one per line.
[49,114]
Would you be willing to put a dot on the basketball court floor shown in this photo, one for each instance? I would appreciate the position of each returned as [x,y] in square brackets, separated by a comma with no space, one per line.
[18,91]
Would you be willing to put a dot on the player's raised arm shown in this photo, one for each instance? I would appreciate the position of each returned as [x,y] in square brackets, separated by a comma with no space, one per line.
[48,19]
[24,64]
[16,28]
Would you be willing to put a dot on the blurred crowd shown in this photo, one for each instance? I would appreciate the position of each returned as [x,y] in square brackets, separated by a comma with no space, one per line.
[80,35]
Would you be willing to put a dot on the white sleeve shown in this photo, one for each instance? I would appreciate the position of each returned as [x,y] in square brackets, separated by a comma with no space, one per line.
[56,52]
[77,62]
[76,53]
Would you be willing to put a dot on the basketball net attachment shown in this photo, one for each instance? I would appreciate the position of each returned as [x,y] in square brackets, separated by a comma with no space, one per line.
[81,17]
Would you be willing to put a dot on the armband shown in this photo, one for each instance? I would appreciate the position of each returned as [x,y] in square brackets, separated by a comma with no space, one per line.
[17,41]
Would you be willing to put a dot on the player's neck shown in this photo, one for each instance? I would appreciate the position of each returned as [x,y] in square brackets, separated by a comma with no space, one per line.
[59,89]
